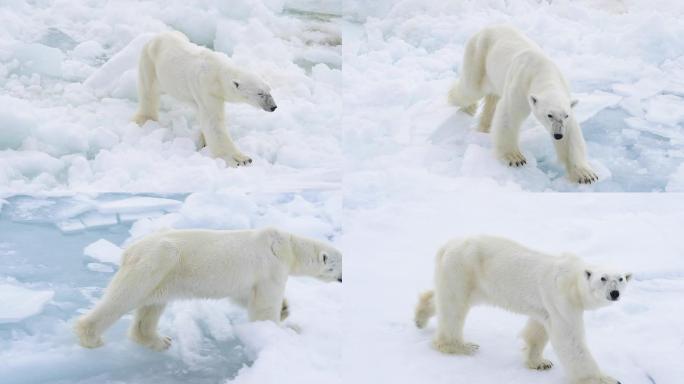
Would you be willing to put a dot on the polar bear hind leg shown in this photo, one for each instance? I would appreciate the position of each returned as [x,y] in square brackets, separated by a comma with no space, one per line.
[452,305]
[148,90]
[143,329]
[535,337]
[468,89]
[133,286]
[266,302]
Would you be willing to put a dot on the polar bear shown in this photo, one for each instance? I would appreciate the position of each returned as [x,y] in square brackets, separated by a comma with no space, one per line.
[553,291]
[170,63]
[250,267]
[515,77]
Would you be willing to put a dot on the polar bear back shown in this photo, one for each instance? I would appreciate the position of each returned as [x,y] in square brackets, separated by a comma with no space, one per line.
[512,57]
[184,69]
[209,263]
[503,272]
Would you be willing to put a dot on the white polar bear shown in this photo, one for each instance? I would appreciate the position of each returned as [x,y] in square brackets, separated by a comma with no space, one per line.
[515,77]
[250,267]
[170,63]
[553,291]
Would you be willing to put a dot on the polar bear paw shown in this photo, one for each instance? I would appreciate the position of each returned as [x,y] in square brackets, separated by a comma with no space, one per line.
[238,159]
[157,343]
[514,159]
[141,119]
[86,336]
[598,380]
[540,365]
[583,174]
[455,348]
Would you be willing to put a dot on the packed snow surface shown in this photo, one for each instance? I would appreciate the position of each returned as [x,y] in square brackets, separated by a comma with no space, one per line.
[390,261]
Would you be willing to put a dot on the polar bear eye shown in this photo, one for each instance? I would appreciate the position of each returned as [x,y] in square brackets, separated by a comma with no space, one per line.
[565,117]
[325,259]
[550,116]
[604,279]
[621,279]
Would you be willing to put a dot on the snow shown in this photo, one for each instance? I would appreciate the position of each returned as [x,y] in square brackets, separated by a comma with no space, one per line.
[104,251]
[390,260]
[68,93]
[19,303]
[623,59]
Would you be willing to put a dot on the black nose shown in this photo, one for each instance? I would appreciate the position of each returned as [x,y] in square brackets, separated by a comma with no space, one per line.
[339,279]
[557,136]
[614,295]
[273,108]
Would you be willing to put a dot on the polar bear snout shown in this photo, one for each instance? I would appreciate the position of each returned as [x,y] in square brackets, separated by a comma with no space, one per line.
[614,295]
[268,104]
[557,136]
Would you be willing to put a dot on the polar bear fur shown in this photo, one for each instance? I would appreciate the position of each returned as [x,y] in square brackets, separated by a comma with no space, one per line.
[515,77]
[250,267]
[170,63]
[553,291]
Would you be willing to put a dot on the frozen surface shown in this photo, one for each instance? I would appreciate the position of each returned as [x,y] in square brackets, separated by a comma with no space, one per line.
[18,303]
[390,260]
[624,60]
[49,280]
[68,92]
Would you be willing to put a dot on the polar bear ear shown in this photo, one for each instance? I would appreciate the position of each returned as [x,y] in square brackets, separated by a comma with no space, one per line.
[533,99]
[573,103]
[587,273]
[236,84]
[628,277]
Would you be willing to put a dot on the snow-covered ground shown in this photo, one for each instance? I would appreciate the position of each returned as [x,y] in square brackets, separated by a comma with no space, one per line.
[624,60]
[68,92]
[51,272]
[390,250]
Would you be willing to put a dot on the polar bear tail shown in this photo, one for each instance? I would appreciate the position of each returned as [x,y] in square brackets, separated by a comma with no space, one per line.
[425,308]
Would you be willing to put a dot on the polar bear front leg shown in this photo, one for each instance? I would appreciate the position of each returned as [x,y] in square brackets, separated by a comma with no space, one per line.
[212,124]
[535,337]
[143,329]
[568,340]
[505,131]
[571,152]
[266,301]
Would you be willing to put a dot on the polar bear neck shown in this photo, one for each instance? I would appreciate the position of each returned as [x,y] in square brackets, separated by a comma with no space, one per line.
[304,256]
[571,281]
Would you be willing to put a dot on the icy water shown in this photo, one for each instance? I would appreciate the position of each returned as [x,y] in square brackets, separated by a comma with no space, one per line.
[36,254]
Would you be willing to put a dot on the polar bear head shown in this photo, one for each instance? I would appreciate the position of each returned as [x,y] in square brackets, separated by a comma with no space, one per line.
[553,112]
[603,286]
[249,88]
[308,257]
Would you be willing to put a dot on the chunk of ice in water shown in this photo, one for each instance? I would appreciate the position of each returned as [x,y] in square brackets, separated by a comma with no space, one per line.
[19,303]
[137,204]
[104,251]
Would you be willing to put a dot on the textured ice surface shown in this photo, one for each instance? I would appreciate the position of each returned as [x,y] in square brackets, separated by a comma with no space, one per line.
[212,341]
[68,91]
[401,58]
